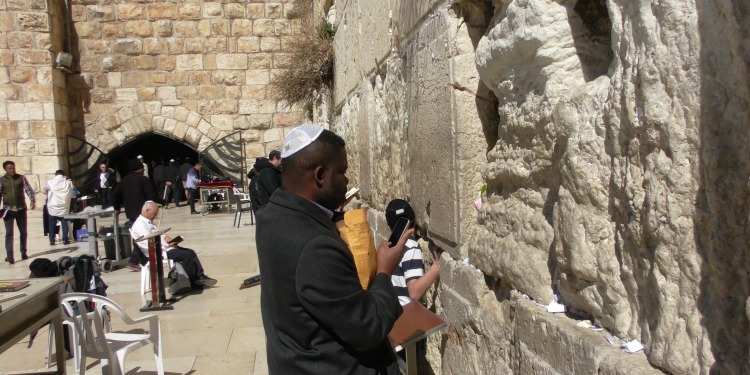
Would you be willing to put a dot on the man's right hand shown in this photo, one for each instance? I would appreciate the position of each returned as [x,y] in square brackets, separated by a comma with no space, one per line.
[390,257]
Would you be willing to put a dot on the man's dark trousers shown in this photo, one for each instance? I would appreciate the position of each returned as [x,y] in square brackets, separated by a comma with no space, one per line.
[192,198]
[20,218]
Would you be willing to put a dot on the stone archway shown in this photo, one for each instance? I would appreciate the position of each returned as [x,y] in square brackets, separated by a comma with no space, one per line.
[176,122]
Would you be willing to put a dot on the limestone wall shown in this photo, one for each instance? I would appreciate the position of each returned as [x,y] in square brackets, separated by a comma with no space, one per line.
[194,71]
[613,137]
[33,96]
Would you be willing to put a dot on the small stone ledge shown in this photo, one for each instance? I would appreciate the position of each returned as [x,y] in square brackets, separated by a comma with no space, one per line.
[554,342]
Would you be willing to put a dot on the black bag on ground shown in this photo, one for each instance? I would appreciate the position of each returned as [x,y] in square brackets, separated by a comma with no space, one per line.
[179,281]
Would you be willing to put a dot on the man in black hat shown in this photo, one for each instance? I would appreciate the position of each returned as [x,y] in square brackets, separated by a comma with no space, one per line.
[133,191]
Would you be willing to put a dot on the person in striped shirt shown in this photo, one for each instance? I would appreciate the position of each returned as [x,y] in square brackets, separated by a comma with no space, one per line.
[409,279]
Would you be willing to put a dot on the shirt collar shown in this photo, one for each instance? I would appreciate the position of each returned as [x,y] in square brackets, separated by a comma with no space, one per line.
[326,211]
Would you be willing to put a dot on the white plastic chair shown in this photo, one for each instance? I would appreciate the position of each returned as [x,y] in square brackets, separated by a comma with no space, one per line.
[74,346]
[110,347]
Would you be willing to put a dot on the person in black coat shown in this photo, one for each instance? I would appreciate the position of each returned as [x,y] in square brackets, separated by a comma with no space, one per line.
[317,317]
[260,164]
[133,191]
[172,184]
[269,177]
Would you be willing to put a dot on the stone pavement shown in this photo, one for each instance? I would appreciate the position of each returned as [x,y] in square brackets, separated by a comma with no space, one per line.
[218,331]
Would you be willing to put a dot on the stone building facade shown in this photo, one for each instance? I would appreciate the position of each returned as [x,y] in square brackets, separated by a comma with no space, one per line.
[190,71]
[614,141]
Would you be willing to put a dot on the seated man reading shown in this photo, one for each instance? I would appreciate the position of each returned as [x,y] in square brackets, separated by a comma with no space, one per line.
[144,226]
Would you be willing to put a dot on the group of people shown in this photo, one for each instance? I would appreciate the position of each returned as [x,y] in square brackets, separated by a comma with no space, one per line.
[136,195]
[317,317]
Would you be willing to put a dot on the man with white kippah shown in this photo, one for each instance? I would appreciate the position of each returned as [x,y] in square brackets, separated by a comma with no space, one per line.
[145,166]
[317,317]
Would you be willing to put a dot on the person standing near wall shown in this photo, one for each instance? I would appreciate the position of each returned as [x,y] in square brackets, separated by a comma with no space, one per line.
[184,169]
[104,185]
[172,186]
[191,185]
[12,187]
[269,178]
[145,166]
[159,180]
[316,316]
[59,193]
[409,278]
[133,191]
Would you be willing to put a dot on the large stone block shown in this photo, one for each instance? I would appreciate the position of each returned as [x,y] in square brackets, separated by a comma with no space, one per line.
[32,21]
[8,130]
[34,57]
[242,27]
[128,46]
[113,30]
[234,10]
[43,129]
[100,12]
[231,61]
[138,28]
[162,11]
[255,11]
[228,78]
[263,27]
[18,40]
[189,11]
[44,165]
[212,10]
[25,111]
[257,77]
[129,11]
[189,62]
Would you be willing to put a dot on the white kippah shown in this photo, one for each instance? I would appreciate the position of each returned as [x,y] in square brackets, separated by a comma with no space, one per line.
[299,138]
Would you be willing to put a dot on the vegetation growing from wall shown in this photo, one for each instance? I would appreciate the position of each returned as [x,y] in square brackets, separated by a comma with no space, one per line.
[309,70]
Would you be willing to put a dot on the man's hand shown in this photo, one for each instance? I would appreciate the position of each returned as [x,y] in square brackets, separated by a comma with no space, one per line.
[390,257]
[169,183]
[32,205]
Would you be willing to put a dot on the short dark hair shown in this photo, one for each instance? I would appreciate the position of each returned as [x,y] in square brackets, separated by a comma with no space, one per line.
[322,151]
[274,154]
[59,172]
[8,162]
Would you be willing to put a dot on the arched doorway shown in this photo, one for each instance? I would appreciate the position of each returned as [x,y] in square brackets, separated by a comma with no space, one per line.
[153,147]
[224,157]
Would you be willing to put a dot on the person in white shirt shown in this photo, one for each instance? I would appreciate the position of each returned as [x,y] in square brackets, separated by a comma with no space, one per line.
[104,185]
[59,193]
[144,225]
[145,166]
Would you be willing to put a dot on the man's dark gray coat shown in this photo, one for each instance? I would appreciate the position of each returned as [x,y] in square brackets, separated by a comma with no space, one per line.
[317,317]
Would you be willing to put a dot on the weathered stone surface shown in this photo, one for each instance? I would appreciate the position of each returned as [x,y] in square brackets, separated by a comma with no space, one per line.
[589,148]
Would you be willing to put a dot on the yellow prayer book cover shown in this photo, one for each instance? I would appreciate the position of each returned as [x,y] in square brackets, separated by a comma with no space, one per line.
[357,235]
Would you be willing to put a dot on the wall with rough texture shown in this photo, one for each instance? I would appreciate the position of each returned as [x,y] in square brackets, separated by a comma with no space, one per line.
[194,71]
[191,71]
[613,137]
[34,102]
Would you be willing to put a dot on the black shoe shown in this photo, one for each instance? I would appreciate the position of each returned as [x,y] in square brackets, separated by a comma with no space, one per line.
[194,212]
[24,256]
[10,260]
[66,242]
[52,243]
[206,281]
